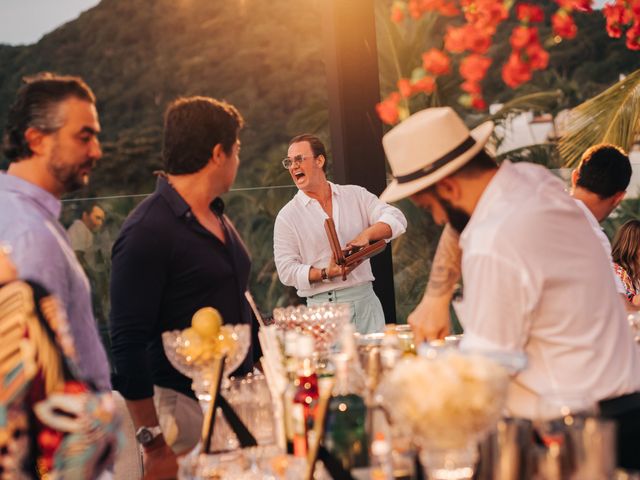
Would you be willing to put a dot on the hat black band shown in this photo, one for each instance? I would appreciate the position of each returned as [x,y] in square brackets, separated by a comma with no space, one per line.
[452,155]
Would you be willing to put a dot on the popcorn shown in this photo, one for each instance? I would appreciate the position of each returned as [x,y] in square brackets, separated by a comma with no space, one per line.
[446,401]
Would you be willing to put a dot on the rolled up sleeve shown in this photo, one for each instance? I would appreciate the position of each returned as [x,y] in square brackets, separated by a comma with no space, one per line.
[379,211]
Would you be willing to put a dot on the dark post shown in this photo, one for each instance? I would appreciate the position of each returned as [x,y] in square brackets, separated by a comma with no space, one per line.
[351,61]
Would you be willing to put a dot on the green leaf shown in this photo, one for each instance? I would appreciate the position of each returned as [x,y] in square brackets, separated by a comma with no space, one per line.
[611,117]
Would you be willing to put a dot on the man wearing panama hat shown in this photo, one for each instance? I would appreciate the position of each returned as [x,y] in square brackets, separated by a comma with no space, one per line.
[532,268]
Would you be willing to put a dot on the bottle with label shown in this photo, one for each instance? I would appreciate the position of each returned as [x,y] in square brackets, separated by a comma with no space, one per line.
[306,395]
[346,436]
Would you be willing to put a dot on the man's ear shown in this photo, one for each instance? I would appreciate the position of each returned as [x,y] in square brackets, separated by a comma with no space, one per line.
[618,197]
[320,160]
[36,140]
[217,154]
[449,189]
[575,176]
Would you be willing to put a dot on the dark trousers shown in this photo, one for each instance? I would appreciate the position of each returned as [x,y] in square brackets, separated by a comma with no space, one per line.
[625,410]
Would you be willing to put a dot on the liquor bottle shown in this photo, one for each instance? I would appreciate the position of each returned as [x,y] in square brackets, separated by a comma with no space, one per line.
[305,399]
[345,435]
[291,368]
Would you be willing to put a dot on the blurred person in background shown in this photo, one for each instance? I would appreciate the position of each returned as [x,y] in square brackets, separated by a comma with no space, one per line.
[626,245]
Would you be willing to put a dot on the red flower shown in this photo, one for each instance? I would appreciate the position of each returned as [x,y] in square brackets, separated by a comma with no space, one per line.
[522,37]
[388,109]
[538,57]
[563,24]
[470,87]
[478,102]
[633,37]
[49,440]
[397,14]
[448,9]
[477,41]
[404,87]
[474,67]
[455,40]
[583,5]
[515,72]
[529,13]
[615,15]
[436,62]
[426,84]
[414,9]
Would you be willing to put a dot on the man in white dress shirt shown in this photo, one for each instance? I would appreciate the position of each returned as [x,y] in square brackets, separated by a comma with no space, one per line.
[301,249]
[598,185]
[532,267]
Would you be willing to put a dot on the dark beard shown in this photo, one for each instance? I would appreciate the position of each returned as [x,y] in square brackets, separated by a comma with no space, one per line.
[458,218]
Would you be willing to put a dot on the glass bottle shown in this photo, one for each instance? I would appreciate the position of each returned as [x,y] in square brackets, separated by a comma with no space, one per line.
[346,435]
[305,400]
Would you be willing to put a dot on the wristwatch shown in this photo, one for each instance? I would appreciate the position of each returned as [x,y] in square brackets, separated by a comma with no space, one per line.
[146,435]
[323,274]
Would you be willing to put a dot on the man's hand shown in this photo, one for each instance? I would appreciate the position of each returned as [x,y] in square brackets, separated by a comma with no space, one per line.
[160,463]
[362,240]
[335,270]
[430,320]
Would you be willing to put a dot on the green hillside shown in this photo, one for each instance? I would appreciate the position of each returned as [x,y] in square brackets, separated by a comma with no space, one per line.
[266,57]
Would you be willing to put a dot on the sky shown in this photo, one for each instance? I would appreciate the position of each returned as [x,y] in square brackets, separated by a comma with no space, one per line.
[26,21]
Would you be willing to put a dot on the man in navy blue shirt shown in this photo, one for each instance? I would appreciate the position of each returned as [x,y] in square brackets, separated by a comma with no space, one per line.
[177,253]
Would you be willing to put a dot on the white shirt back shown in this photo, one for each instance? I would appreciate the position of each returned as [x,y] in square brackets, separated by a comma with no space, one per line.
[537,281]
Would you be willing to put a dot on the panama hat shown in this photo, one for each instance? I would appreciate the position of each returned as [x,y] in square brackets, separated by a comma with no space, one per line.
[427,147]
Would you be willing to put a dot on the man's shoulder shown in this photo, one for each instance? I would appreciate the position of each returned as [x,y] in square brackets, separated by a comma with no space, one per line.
[152,213]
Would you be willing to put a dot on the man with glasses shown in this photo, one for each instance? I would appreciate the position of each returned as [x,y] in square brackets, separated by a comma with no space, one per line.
[301,249]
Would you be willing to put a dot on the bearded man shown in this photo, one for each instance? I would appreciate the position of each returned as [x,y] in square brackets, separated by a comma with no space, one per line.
[51,140]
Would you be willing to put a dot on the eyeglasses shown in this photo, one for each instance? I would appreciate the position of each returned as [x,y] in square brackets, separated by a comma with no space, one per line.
[297,160]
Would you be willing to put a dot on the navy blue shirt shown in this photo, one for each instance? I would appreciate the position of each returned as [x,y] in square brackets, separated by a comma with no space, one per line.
[166,266]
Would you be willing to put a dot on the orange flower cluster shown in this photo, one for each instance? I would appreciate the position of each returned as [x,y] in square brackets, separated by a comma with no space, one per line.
[468,42]
[527,53]
[621,14]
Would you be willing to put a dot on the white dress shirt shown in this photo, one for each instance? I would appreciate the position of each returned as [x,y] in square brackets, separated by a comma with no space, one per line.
[604,240]
[533,271]
[300,241]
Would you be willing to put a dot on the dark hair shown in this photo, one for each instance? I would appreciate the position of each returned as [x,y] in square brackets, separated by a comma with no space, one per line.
[87,207]
[624,249]
[192,127]
[36,106]
[317,147]
[479,163]
[604,170]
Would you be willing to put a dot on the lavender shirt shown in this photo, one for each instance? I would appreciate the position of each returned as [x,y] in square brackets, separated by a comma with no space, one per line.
[41,252]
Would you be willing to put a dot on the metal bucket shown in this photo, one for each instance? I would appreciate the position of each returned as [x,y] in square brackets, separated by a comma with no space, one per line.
[507,453]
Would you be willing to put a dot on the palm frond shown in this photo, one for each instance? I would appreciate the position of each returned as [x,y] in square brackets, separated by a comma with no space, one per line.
[610,117]
[538,101]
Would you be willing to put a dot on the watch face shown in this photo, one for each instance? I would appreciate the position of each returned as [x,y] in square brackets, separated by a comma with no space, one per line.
[144,436]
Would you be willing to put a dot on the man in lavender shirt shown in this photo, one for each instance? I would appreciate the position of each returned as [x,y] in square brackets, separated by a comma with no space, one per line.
[52,144]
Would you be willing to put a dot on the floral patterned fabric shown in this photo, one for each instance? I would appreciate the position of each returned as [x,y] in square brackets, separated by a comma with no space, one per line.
[52,424]
[627,281]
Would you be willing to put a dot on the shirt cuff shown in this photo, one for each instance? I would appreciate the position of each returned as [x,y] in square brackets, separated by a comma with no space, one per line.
[397,228]
[303,277]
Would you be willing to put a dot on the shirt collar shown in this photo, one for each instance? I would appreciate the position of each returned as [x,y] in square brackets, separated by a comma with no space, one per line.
[486,199]
[305,199]
[44,199]
[177,203]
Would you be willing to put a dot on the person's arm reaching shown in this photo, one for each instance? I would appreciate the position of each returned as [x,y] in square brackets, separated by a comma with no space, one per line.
[430,319]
